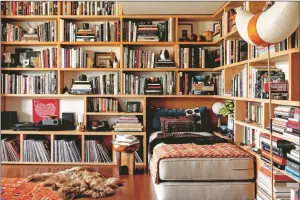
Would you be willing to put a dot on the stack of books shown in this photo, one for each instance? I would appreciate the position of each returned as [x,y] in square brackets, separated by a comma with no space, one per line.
[295,193]
[66,151]
[239,84]
[35,150]
[29,84]
[153,85]
[165,63]
[128,123]
[29,8]
[126,140]
[102,105]
[105,83]
[197,84]
[282,184]
[155,31]
[293,163]
[94,151]
[10,150]
[259,87]
[280,149]
[293,124]
[11,32]
[85,35]
[236,51]
[90,8]
[253,112]
[147,33]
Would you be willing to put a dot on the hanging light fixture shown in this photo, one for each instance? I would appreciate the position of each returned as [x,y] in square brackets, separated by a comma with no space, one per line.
[272,26]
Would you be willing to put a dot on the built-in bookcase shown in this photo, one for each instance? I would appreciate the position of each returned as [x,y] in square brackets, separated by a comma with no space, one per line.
[233,76]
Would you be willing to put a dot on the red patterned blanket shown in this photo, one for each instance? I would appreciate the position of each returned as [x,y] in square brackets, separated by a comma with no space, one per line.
[218,150]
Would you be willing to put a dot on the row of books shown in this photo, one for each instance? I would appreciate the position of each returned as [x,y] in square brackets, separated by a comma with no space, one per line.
[90,8]
[239,85]
[105,83]
[219,82]
[198,84]
[127,124]
[35,150]
[137,31]
[153,85]
[74,58]
[94,151]
[126,140]
[253,112]
[11,32]
[28,8]
[29,84]
[66,151]
[10,150]
[104,32]
[236,51]
[102,105]
[259,87]
[137,58]
[197,57]
[251,138]
[263,51]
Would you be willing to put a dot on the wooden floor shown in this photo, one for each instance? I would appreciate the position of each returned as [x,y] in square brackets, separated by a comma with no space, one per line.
[137,187]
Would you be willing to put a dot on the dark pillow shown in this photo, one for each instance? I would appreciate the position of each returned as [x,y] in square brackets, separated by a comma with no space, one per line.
[180,124]
[158,113]
[203,121]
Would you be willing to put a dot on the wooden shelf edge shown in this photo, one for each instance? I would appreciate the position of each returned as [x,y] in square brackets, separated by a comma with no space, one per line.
[114,113]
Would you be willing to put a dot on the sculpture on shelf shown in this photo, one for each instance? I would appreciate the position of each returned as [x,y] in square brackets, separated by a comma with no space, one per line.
[90,62]
[164,54]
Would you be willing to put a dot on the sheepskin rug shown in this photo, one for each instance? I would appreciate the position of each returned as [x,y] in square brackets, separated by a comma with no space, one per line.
[78,182]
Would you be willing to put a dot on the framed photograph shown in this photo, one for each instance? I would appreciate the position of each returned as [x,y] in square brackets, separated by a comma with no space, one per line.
[20,55]
[133,106]
[103,59]
[44,108]
[185,30]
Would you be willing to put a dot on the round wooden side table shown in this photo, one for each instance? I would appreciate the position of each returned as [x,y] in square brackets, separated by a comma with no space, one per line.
[130,154]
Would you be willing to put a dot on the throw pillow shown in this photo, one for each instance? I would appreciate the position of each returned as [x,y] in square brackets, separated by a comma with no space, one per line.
[202,118]
[157,113]
[181,124]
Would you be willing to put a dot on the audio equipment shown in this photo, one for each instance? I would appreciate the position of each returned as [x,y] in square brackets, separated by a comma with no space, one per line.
[8,119]
[68,121]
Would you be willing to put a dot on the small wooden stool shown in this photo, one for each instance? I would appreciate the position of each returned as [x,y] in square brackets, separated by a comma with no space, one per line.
[130,155]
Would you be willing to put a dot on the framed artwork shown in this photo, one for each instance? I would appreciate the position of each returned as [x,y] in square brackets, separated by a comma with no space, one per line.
[185,30]
[133,106]
[44,108]
[103,59]
[33,57]
[20,55]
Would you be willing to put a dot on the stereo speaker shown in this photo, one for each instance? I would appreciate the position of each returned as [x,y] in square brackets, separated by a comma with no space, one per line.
[68,121]
[8,119]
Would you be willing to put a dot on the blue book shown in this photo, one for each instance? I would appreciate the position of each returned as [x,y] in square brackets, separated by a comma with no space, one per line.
[292,173]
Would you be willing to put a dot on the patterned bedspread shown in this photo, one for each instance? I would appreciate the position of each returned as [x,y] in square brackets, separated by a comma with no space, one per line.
[191,150]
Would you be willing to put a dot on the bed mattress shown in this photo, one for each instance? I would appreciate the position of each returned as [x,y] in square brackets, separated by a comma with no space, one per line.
[190,162]
[205,190]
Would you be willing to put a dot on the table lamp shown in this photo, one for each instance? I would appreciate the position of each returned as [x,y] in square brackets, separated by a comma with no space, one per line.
[216,109]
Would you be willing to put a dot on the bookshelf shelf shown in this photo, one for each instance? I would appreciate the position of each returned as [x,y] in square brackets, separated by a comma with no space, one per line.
[89,69]
[219,41]
[112,113]
[257,156]
[90,43]
[250,125]
[30,43]
[29,17]
[91,17]
[197,43]
[28,69]
[234,34]
[195,18]
[150,43]
[165,69]
[196,69]
[223,136]
[148,17]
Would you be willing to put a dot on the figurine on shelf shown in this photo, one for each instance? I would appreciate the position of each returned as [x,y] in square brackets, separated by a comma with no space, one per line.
[65,90]
[90,62]
[164,54]
[7,59]
[116,63]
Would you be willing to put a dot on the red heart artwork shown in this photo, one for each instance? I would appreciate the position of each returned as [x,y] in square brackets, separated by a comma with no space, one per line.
[43,108]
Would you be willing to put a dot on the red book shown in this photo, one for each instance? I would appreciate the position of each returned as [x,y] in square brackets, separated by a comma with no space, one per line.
[277,159]
[43,108]
[277,175]
[293,125]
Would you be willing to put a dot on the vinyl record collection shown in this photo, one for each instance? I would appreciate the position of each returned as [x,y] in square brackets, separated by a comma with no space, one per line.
[29,84]
[36,150]
[10,150]
[96,152]
[102,105]
[90,8]
[29,8]
[66,151]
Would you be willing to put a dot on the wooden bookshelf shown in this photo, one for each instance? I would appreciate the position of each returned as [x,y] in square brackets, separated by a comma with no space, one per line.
[291,55]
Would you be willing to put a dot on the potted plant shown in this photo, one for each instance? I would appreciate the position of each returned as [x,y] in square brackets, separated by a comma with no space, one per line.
[228,110]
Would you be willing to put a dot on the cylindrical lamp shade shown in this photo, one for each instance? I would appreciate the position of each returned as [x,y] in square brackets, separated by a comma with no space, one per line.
[217,107]
[269,27]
